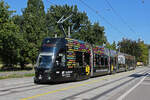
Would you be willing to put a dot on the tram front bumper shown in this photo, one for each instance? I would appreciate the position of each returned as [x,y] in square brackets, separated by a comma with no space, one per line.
[42,78]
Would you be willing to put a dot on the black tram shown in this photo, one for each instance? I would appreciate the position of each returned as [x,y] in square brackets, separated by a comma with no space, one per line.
[113,61]
[130,62]
[66,59]
[101,61]
[63,59]
[121,62]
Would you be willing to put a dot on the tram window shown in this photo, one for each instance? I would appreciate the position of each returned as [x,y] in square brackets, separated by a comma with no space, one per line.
[79,58]
[87,58]
[102,60]
[98,60]
[106,61]
[113,60]
[61,58]
[45,61]
[116,60]
[128,61]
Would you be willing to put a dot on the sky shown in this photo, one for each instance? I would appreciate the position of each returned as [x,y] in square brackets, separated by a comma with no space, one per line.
[121,18]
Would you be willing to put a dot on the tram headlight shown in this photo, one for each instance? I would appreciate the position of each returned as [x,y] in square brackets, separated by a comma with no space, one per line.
[40,77]
[49,78]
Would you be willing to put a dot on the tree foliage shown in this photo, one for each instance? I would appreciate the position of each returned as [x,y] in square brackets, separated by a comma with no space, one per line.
[81,28]
[143,52]
[136,48]
[56,12]
[33,26]
[21,35]
[9,37]
[111,46]
[94,35]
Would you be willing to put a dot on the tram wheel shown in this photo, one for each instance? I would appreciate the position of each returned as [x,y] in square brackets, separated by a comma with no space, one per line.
[36,82]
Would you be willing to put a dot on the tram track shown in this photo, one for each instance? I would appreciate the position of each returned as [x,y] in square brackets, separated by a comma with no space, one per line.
[3,90]
[25,87]
[105,84]
[14,86]
[116,87]
[7,89]
[21,87]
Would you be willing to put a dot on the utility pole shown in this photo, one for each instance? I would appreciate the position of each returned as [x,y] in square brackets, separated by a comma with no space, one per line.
[69,31]
[149,56]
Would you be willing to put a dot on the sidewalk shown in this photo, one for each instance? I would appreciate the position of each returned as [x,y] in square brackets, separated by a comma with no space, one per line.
[16,72]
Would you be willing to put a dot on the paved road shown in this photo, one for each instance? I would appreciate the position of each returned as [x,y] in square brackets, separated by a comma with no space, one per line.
[132,85]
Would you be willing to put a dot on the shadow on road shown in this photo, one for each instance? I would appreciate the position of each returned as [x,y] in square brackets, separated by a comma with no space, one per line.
[139,75]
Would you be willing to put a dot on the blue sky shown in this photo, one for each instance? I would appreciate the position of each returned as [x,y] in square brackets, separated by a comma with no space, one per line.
[134,12]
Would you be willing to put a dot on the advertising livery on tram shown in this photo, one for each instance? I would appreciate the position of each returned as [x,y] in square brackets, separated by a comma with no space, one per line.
[66,59]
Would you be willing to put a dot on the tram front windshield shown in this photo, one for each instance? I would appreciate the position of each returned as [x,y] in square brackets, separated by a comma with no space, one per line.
[45,62]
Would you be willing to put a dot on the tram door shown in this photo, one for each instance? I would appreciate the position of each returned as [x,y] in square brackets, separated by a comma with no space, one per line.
[83,64]
[112,64]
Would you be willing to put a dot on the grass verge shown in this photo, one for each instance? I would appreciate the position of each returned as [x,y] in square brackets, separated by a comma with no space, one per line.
[17,76]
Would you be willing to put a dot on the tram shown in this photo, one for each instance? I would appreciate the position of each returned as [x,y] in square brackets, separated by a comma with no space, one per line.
[66,59]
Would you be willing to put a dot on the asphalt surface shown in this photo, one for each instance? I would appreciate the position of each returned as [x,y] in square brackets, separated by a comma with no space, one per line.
[131,85]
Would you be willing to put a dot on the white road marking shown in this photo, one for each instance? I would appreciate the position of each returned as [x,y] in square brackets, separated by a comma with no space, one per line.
[130,90]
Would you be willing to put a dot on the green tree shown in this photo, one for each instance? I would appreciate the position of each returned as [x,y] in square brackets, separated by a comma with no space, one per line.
[128,46]
[114,46]
[93,34]
[111,46]
[34,29]
[143,52]
[108,45]
[136,48]
[18,20]
[9,37]
[81,27]
[99,34]
[75,22]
